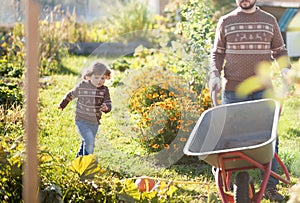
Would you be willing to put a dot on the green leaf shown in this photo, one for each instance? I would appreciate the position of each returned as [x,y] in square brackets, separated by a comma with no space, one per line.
[131,189]
[149,195]
[85,166]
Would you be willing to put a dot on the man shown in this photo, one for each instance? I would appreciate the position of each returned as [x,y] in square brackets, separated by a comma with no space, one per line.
[244,39]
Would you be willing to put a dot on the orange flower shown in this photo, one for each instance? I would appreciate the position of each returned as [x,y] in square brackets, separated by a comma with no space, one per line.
[175,147]
[166,146]
[171,94]
[160,131]
[149,96]
[155,146]
[183,139]
[172,118]
[178,114]
[185,130]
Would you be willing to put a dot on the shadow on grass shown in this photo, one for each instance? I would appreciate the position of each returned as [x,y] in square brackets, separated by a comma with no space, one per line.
[63,70]
[193,166]
[294,131]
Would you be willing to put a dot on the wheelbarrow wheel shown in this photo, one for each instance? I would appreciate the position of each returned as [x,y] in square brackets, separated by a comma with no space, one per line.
[243,188]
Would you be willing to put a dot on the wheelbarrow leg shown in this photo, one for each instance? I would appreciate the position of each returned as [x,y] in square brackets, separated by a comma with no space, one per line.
[259,195]
[220,180]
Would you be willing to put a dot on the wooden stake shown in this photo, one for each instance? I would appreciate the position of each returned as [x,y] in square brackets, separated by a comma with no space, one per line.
[31,178]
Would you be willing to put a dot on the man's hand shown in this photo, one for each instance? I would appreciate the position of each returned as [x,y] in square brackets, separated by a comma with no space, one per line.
[214,84]
[285,73]
[286,76]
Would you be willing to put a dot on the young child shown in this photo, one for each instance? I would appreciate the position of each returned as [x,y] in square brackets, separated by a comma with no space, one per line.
[93,99]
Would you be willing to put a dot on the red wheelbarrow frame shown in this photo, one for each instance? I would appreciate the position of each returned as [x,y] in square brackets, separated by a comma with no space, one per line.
[239,157]
[223,175]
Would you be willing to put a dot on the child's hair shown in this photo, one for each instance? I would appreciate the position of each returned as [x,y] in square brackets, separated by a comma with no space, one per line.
[108,74]
[96,68]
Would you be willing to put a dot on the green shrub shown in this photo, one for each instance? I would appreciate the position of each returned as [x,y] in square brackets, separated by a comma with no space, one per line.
[10,94]
[11,69]
[11,150]
[11,55]
[53,35]
[120,65]
[197,27]
[166,106]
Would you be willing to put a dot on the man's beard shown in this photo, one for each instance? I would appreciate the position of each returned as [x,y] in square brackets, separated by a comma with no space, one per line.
[247,7]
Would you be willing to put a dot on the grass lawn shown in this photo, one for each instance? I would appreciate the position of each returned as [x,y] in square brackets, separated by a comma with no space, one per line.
[117,148]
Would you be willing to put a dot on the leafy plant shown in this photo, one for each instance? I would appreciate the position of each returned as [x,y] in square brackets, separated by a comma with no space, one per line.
[53,37]
[10,94]
[120,65]
[85,166]
[197,25]
[11,169]
[165,105]
[11,69]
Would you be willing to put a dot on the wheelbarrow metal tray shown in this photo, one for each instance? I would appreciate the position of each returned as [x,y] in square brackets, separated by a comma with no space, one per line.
[249,127]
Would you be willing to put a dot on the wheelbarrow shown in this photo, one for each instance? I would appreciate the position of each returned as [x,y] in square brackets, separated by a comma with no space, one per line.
[238,137]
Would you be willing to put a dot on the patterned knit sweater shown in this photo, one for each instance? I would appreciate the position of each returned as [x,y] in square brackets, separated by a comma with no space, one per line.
[242,42]
[89,101]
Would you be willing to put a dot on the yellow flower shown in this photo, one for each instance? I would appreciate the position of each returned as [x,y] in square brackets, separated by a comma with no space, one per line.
[207,98]
[155,146]
[4,44]
[163,96]
[155,95]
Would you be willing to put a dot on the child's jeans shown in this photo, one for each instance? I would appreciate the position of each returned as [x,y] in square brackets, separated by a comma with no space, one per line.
[230,97]
[88,133]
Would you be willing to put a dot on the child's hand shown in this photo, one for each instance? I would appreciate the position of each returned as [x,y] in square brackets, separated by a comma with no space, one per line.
[103,107]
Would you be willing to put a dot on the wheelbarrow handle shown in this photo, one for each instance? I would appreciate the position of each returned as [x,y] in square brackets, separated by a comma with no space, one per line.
[214,97]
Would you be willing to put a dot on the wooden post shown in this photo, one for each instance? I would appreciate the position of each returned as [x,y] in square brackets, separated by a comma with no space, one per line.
[31,177]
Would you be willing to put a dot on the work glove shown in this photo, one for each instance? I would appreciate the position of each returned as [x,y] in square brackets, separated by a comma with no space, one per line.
[214,84]
[285,73]
[285,78]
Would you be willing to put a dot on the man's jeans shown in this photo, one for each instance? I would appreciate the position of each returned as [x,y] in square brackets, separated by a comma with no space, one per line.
[230,97]
[88,133]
